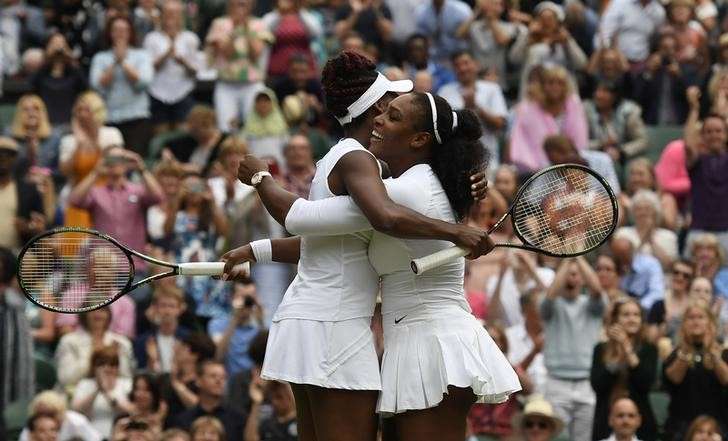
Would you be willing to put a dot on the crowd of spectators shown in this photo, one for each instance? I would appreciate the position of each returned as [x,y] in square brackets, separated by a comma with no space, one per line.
[130,117]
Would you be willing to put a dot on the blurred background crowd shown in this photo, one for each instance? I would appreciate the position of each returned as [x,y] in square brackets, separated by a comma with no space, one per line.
[130,117]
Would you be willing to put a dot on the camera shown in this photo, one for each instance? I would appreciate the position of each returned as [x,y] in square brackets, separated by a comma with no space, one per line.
[249,302]
[137,425]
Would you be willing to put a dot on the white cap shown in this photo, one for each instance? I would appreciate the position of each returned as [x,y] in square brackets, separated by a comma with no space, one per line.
[376,91]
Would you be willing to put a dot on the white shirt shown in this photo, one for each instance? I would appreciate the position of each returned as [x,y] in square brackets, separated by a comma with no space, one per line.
[666,239]
[510,295]
[418,189]
[335,280]
[108,137]
[632,25]
[102,413]
[74,425]
[602,163]
[614,438]
[171,82]
[520,345]
[489,97]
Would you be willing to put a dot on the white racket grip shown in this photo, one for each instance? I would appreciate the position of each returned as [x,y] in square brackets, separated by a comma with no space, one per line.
[209,268]
[434,260]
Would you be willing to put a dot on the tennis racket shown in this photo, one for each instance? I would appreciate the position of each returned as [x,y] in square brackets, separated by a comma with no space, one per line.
[72,270]
[562,211]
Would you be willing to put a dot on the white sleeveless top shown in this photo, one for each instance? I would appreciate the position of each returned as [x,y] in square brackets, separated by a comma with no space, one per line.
[335,280]
[418,189]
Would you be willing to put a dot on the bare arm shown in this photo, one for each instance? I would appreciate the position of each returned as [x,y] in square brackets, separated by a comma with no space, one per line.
[559,280]
[692,127]
[590,276]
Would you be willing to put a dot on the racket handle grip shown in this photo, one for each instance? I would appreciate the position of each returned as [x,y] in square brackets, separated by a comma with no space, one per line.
[434,260]
[208,268]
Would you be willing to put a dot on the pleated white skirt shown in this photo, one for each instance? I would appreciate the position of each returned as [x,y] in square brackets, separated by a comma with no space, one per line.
[427,351]
[333,355]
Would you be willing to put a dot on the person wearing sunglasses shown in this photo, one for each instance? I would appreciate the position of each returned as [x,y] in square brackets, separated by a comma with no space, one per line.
[665,315]
[538,422]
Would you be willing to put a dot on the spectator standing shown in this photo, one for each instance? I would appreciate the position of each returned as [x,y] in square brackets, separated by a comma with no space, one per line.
[552,107]
[17,373]
[696,373]
[624,420]
[21,206]
[691,37]
[615,124]
[72,423]
[233,333]
[625,365]
[439,20]
[630,26]
[526,341]
[174,53]
[74,350]
[194,222]
[671,174]
[294,29]
[122,75]
[169,174]
[572,325]
[32,130]
[60,81]
[237,48]
[608,65]
[490,37]
[485,98]
[706,159]
[642,275]
[370,19]
[660,87]
[417,59]
[665,315]
[547,41]
[103,394]
[147,18]
[22,26]
[211,382]
[119,206]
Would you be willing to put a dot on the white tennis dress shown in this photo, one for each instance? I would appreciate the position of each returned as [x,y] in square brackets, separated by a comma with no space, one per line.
[431,339]
[321,332]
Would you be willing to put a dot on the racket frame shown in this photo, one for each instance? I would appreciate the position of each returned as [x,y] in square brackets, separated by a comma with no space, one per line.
[512,212]
[130,284]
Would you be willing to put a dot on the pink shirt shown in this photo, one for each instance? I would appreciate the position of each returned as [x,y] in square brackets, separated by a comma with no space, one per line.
[533,125]
[120,212]
[670,170]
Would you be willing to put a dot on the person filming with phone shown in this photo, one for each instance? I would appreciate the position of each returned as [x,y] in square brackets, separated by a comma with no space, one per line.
[233,333]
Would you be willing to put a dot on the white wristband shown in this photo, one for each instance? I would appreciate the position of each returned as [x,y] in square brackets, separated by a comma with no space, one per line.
[262,250]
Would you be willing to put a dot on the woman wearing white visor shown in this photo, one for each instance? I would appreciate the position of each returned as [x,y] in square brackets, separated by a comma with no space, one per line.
[320,340]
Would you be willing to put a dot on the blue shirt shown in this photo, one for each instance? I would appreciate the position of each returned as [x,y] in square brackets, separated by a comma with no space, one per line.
[645,281]
[441,27]
[237,358]
[125,101]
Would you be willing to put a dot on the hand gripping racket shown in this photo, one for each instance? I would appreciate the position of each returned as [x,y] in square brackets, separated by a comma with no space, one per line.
[72,270]
[562,211]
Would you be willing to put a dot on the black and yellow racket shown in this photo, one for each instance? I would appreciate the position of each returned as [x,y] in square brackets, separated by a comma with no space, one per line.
[562,211]
[72,270]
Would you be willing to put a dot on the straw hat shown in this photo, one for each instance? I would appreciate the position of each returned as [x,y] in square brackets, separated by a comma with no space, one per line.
[538,406]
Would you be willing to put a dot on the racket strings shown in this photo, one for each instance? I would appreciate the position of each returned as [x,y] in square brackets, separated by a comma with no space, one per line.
[565,211]
[74,270]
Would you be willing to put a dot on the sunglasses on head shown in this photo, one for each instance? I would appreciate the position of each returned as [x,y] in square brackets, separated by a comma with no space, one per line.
[536,424]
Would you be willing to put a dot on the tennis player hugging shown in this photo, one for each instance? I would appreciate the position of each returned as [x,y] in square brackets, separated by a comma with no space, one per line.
[357,228]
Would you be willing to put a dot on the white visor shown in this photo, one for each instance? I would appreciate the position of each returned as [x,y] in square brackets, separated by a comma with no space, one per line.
[376,91]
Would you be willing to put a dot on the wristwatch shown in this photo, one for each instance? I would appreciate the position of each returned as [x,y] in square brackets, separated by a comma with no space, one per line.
[258,178]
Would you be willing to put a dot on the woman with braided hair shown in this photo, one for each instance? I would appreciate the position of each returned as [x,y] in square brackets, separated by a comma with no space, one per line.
[320,340]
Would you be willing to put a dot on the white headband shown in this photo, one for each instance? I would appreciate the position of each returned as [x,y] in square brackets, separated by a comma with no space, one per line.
[434,118]
[379,87]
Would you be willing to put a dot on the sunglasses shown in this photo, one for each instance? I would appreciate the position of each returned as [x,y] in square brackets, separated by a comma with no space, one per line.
[536,424]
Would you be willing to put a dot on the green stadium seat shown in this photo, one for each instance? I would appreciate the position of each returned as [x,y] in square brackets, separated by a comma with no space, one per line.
[15,415]
[660,401]
[45,373]
[659,137]
[7,113]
